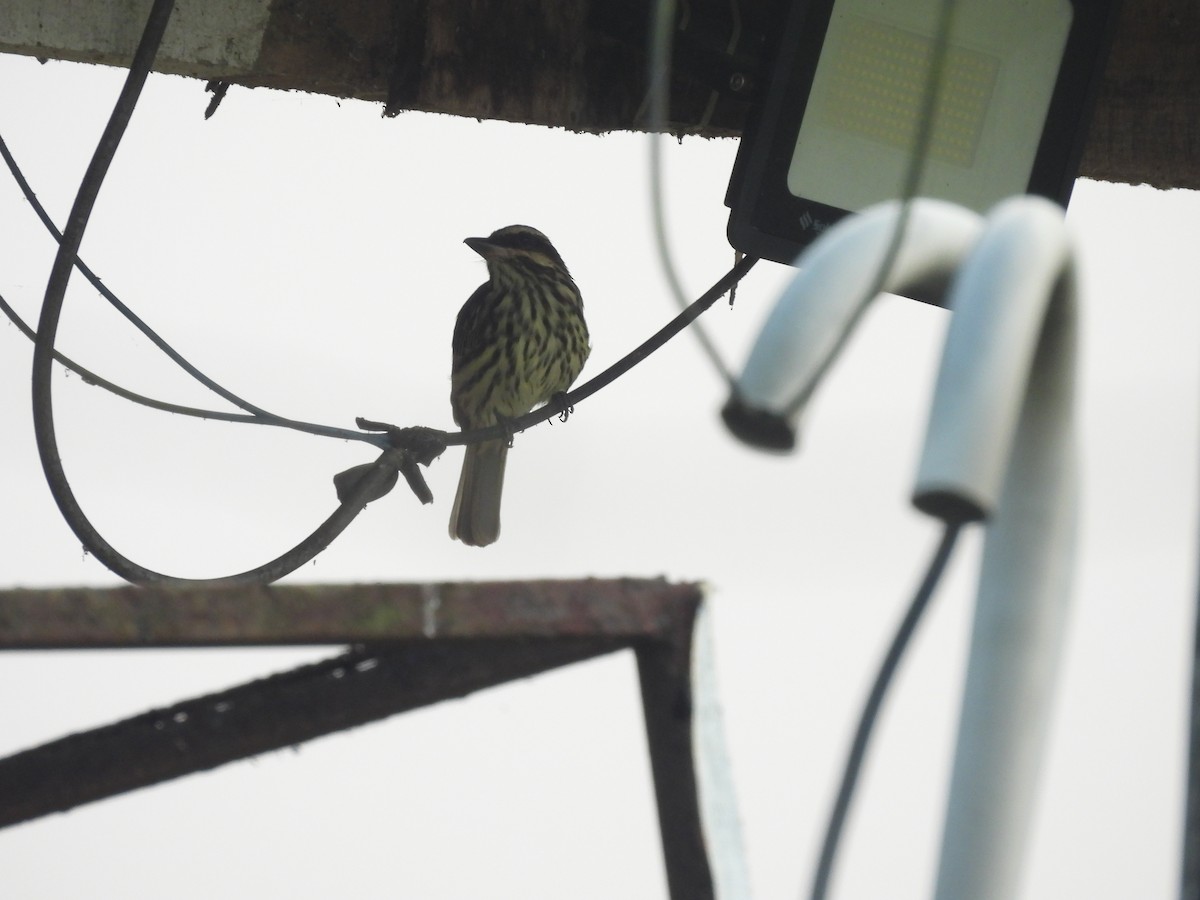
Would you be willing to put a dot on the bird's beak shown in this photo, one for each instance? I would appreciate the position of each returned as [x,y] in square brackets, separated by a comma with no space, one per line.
[482,246]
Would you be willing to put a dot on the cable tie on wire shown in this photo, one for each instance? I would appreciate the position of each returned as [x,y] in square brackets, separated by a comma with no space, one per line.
[392,463]
[425,444]
[347,482]
[410,449]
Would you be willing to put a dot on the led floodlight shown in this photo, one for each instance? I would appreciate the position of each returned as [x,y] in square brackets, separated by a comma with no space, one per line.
[836,129]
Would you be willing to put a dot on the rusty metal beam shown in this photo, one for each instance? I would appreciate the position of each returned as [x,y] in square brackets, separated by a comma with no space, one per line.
[418,644]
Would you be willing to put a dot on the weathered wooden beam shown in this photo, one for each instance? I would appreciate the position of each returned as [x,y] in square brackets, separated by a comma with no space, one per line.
[204,40]
[580,64]
[302,615]
[563,63]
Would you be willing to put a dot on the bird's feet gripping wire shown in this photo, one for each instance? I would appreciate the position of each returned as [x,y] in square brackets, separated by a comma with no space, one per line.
[563,409]
[509,426]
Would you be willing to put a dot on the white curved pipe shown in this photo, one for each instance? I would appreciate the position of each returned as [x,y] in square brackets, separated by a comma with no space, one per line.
[1001,308]
[812,318]
[1000,445]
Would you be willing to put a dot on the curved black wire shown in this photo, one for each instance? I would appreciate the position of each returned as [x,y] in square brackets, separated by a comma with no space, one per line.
[43,356]
[870,712]
[258,415]
[722,287]
[92,378]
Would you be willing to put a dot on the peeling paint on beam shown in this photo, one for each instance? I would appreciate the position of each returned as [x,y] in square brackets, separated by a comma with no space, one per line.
[204,37]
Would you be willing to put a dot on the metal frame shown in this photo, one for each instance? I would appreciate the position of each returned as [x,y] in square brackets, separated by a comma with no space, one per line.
[411,645]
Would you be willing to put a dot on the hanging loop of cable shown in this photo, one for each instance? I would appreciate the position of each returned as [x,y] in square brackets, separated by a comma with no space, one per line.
[404,449]
[43,354]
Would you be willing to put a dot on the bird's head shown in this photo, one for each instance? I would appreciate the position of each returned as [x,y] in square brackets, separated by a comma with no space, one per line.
[517,244]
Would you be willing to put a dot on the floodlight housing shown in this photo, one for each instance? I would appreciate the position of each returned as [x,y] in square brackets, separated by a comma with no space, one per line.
[836,128]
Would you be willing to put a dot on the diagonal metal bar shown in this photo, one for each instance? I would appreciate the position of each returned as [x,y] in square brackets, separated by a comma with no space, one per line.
[415,645]
[268,714]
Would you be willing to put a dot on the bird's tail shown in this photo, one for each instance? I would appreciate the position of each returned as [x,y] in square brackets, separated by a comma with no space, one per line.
[475,518]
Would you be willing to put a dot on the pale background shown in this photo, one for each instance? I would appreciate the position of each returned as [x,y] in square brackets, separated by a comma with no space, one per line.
[308,255]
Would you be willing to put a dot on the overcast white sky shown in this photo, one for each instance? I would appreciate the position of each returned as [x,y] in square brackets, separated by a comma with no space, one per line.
[308,255]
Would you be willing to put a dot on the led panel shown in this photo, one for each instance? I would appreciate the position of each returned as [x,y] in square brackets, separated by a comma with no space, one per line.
[836,130]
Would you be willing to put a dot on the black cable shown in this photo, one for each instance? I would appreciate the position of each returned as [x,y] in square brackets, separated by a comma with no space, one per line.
[723,286]
[261,416]
[703,303]
[411,445]
[258,415]
[43,357]
[91,377]
[870,713]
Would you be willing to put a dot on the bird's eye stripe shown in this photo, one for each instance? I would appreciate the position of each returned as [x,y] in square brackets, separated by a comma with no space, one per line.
[526,240]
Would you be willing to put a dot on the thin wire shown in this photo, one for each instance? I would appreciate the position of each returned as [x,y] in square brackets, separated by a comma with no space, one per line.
[931,92]
[662,27]
[689,314]
[870,713]
[449,439]
[259,415]
[92,378]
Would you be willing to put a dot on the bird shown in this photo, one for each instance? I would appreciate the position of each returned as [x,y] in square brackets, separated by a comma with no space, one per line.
[519,340]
